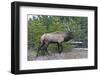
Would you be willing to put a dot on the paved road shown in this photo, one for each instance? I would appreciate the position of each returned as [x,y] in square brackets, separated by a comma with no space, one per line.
[76,53]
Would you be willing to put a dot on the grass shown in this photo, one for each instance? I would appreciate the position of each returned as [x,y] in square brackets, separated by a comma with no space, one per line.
[51,49]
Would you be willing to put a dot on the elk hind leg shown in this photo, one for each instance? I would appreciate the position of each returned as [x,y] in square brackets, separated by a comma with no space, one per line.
[61,48]
[58,47]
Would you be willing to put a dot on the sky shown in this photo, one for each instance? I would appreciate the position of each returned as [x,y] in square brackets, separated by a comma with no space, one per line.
[30,16]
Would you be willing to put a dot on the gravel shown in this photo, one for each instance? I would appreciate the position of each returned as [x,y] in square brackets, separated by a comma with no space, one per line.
[75,53]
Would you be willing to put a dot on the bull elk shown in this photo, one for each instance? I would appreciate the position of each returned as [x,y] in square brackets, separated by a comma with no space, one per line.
[54,37]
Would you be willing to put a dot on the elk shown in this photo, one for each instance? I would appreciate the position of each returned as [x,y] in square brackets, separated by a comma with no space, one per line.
[54,37]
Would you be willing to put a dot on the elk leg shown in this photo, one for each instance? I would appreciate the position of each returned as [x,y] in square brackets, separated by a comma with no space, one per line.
[61,48]
[47,51]
[39,49]
[45,47]
[37,53]
[58,47]
[43,52]
[41,46]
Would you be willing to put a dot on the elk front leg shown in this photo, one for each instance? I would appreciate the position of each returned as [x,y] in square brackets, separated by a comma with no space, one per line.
[39,49]
[37,52]
[61,48]
[46,48]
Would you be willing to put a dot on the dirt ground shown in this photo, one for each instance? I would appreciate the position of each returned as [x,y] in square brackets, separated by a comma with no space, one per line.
[75,53]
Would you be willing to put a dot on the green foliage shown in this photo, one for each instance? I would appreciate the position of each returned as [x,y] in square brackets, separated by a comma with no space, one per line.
[41,24]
